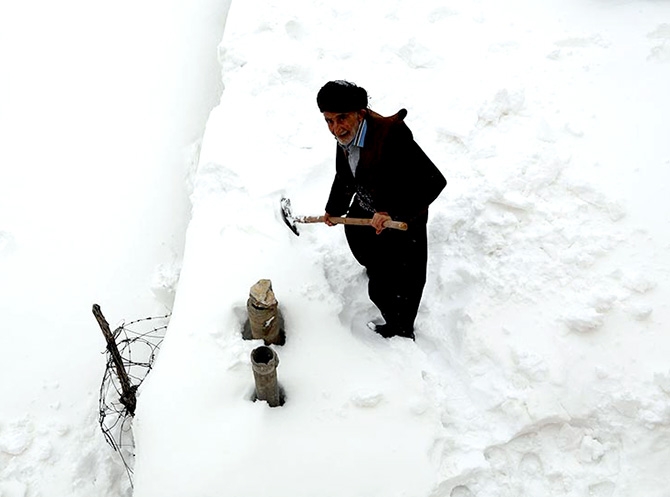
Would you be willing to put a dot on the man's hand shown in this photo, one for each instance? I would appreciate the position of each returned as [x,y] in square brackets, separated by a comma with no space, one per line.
[326,219]
[378,221]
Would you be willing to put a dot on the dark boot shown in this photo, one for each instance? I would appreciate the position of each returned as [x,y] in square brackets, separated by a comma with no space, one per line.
[389,330]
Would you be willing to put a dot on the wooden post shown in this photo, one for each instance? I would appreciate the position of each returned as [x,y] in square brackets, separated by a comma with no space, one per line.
[128,391]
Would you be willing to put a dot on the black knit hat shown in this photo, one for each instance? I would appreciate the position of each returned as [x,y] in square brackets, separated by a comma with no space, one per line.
[341,96]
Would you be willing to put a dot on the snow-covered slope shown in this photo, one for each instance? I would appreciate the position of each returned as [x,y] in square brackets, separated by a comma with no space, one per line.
[99,106]
[540,365]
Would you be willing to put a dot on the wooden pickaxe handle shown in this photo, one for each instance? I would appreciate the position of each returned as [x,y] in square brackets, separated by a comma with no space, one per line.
[396,225]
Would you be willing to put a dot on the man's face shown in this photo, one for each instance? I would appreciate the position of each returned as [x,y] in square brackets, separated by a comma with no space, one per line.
[343,125]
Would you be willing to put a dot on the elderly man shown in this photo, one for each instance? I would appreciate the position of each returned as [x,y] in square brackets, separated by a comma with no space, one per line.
[379,164]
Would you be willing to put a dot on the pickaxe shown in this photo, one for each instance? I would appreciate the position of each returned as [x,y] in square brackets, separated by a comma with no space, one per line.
[291,220]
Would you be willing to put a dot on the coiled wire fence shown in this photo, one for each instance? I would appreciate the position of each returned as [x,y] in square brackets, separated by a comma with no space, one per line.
[131,351]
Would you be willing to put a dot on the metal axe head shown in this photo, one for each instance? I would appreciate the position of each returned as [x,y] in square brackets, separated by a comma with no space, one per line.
[287,215]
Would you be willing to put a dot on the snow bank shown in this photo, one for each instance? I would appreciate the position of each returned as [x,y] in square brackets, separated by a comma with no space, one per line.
[540,365]
[99,108]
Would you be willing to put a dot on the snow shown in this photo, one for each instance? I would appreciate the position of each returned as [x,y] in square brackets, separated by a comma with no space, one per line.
[100,106]
[540,365]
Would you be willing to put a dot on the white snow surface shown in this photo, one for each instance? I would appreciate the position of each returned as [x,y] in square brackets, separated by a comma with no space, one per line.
[541,364]
[101,110]
[541,361]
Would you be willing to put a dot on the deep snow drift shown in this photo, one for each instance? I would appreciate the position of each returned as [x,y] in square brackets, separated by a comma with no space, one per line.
[540,365]
[100,106]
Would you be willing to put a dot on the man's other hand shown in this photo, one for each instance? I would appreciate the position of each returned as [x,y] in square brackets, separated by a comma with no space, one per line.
[378,221]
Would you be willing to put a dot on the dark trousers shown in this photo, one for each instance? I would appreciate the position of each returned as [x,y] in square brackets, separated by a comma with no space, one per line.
[395,262]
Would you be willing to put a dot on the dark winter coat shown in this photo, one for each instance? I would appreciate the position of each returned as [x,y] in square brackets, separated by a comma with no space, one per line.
[393,174]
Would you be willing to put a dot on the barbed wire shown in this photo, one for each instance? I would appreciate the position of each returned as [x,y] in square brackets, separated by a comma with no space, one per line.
[138,343]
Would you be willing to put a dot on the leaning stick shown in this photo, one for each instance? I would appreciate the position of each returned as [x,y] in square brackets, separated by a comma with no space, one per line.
[127,390]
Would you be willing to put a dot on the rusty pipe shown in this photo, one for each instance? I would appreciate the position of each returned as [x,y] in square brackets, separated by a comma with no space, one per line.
[264,362]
